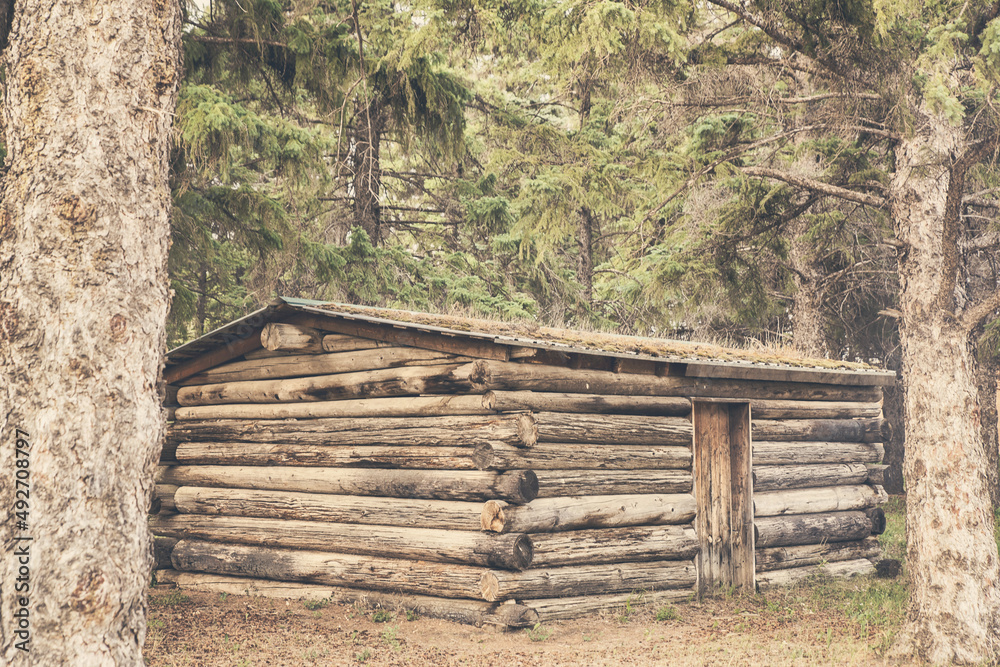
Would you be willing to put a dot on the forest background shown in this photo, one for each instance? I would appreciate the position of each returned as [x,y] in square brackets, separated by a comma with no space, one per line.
[651,168]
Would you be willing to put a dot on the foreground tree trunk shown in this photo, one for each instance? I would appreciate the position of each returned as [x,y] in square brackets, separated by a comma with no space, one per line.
[90,91]
[952,557]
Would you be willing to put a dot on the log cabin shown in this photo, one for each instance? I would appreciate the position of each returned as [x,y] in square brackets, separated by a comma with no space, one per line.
[506,474]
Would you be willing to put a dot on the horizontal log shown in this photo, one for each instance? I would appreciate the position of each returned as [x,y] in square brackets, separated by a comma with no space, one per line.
[815,500]
[290,338]
[837,430]
[516,486]
[567,456]
[426,544]
[539,401]
[513,376]
[469,612]
[238,343]
[780,558]
[774,478]
[876,474]
[578,580]
[614,545]
[559,514]
[336,456]
[780,531]
[454,431]
[555,483]
[619,429]
[771,409]
[410,512]
[564,609]
[400,406]
[406,381]
[318,567]
[796,575]
[163,546]
[301,365]
[798,453]
[405,335]
[342,343]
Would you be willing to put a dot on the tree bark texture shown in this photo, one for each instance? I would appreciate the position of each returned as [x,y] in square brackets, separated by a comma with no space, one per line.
[84,230]
[951,552]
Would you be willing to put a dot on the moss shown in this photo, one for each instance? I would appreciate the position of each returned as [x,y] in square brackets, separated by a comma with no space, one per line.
[663,348]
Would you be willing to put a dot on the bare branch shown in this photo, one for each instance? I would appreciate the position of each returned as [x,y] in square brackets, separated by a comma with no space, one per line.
[975,315]
[211,39]
[816,186]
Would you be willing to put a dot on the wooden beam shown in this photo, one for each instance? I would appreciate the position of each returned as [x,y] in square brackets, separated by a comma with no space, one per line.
[228,352]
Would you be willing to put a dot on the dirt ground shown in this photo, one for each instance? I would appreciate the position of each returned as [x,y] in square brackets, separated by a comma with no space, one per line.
[784,628]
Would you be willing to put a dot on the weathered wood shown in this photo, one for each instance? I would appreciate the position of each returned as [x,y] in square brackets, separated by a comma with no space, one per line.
[162,548]
[496,376]
[170,394]
[780,558]
[406,381]
[619,429]
[876,474]
[577,580]
[553,456]
[771,409]
[445,431]
[837,430]
[562,609]
[559,514]
[515,401]
[410,512]
[742,532]
[815,500]
[168,452]
[614,545]
[469,612]
[301,365]
[796,575]
[799,453]
[779,531]
[453,344]
[342,343]
[512,551]
[775,478]
[516,486]
[401,406]
[335,456]
[170,414]
[555,483]
[165,494]
[385,574]
[234,348]
[290,338]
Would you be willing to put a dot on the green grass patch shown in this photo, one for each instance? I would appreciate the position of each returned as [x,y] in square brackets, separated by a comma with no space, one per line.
[169,600]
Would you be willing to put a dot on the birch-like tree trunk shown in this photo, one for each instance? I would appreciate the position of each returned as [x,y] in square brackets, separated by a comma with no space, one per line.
[89,93]
[952,556]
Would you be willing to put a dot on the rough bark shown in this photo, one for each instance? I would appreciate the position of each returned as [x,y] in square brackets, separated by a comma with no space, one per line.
[84,229]
[951,552]
[367,181]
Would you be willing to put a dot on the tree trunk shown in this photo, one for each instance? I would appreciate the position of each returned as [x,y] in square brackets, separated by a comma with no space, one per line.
[368,171]
[952,555]
[84,230]
[585,263]
[808,322]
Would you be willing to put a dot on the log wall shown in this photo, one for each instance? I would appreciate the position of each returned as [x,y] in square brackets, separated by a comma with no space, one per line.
[485,489]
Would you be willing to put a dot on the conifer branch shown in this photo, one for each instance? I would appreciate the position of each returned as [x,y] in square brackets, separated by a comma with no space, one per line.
[975,315]
[816,186]
[212,39]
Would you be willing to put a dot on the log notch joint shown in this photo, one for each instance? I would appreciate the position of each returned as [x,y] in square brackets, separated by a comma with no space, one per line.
[723,487]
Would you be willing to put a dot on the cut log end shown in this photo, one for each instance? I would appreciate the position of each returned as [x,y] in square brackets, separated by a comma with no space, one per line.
[513,616]
[492,518]
[877,517]
[489,586]
[518,486]
[527,429]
